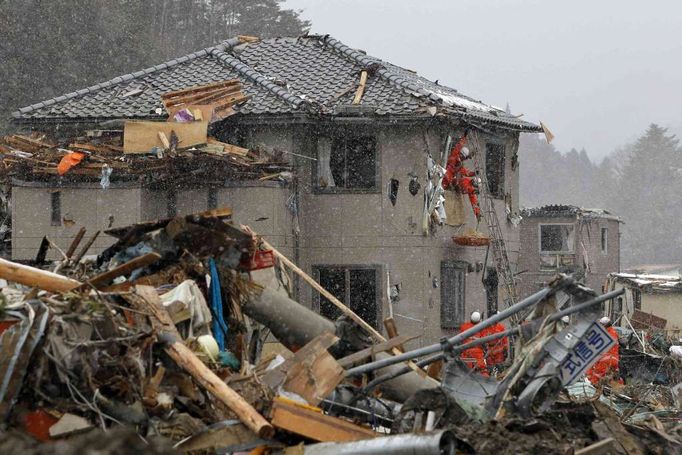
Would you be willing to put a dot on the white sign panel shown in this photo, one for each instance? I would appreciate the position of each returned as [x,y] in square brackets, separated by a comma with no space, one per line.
[595,343]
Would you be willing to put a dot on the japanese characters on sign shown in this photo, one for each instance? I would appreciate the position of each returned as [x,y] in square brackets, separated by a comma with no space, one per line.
[585,353]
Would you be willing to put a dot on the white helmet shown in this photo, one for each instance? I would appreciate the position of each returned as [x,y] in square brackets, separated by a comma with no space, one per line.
[475,317]
[566,319]
[465,152]
[605,320]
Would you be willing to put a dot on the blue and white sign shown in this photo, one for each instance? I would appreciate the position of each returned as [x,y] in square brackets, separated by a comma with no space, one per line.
[595,343]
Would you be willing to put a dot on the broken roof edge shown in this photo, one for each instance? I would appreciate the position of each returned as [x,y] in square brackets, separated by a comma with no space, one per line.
[567,211]
[658,283]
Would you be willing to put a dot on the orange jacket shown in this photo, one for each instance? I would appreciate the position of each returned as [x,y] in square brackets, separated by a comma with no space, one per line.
[473,357]
[466,186]
[454,163]
[608,362]
[497,349]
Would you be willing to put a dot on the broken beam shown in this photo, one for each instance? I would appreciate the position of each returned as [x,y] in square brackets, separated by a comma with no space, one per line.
[307,421]
[30,276]
[146,299]
[361,88]
[124,269]
[375,349]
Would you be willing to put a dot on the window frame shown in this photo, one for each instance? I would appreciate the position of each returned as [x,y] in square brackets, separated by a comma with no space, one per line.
[549,252]
[212,198]
[344,134]
[500,194]
[171,203]
[55,208]
[378,269]
[457,319]
[604,240]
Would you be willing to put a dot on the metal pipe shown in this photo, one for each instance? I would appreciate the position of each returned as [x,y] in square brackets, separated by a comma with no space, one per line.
[502,315]
[456,349]
[442,442]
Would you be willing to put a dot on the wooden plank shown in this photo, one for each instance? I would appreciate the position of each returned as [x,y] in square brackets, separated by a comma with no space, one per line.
[311,423]
[361,88]
[142,136]
[42,251]
[311,373]
[598,448]
[30,276]
[107,277]
[201,88]
[344,309]
[392,331]
[229,148]
[146,299]
[375,349]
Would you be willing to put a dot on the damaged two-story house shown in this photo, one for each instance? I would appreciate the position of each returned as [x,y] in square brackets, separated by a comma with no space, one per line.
[567,239]
[359,133]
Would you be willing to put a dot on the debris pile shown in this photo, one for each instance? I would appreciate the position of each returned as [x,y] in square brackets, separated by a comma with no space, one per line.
[164,334]
[151,152]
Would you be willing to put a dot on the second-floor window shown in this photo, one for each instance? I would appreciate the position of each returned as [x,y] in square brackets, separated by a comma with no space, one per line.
[494,168]
[556,238]
[605,240]
[346,163]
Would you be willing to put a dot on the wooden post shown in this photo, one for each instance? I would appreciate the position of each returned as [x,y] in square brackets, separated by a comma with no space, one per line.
[141,261]
[392,331]
[30,276]
[86,247]
[75,243]
[361,88]
[146,299]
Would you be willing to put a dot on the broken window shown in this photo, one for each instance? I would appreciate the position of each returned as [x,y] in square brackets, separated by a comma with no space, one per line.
[453,286]
[347,163]
[355,286]
[212,202]
[56,208]
[604,240]
[556,238]
[494,169]
[637,299]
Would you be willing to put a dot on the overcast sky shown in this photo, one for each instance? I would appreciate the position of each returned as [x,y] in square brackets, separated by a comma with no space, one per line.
[596,72]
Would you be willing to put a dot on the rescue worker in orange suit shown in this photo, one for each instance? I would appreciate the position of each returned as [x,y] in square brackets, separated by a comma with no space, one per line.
[496,352]
[469,184]
[458,154]
[474,357]
[607,365]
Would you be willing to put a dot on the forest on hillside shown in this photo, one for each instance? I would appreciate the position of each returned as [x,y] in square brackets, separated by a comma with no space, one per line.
[49,48]
[640,182]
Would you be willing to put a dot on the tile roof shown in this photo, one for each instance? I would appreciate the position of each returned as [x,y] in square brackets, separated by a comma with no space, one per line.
[305,75]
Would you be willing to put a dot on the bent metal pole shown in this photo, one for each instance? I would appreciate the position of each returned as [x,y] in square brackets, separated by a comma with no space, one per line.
[557,285]
[456,349]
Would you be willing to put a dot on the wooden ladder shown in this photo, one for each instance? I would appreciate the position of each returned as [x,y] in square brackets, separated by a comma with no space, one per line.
[497,243]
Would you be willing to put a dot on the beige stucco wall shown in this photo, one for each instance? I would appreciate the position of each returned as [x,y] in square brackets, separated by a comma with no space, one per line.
[357,229]
[665,306]
[586,250]
[90,207]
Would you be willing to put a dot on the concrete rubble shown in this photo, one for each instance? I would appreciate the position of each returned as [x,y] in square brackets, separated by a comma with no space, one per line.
[156,349]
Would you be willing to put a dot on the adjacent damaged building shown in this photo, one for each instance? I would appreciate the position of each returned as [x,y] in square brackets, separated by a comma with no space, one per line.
[361,137]
[650,302]
[567,239]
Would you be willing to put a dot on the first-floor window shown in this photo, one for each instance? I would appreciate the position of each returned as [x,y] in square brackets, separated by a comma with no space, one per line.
[355,286]
[452,291]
